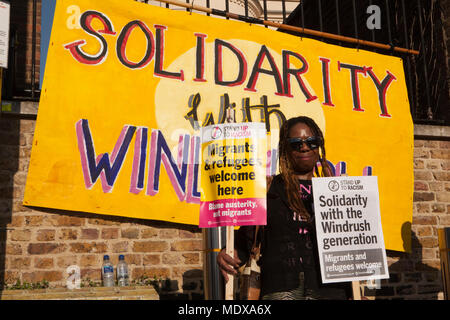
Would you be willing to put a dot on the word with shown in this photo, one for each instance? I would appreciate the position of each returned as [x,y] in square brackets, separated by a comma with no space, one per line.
[336,213]
[263,109]
[155,48]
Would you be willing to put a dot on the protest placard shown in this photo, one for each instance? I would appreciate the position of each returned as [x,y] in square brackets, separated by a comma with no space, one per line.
[233,179]
[349,232]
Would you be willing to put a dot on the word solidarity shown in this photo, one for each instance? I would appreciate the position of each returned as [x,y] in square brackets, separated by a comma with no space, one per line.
[281,80]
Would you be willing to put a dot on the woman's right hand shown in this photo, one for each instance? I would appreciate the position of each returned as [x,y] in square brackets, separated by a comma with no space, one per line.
[228,265]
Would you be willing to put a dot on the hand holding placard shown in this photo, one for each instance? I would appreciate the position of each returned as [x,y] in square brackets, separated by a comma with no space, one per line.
[233,180]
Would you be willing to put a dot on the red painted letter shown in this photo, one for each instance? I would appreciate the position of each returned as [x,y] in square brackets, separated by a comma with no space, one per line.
[85,22]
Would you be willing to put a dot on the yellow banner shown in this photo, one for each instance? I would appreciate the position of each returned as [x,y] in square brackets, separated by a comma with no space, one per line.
[128,85]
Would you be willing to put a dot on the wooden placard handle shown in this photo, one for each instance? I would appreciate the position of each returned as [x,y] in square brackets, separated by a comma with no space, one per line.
[229,287]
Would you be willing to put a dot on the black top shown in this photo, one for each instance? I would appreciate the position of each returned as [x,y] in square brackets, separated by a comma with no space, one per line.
[288,246]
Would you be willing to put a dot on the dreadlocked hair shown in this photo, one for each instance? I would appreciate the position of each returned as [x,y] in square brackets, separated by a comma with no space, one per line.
[286,169]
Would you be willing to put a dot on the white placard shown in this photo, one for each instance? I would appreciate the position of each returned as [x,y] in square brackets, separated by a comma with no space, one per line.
[348,225]
[4,33]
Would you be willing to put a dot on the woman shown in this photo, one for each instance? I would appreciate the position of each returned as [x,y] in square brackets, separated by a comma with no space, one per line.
[289,260]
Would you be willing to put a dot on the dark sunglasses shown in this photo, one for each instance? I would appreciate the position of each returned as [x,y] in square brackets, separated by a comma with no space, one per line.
[312,142]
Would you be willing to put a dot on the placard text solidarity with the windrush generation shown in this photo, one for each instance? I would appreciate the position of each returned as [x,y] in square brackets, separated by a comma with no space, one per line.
[337,220]
[233,175]
[349,234]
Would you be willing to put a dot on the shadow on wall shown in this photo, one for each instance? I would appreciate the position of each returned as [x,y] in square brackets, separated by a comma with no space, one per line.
[409,277]
[192,287]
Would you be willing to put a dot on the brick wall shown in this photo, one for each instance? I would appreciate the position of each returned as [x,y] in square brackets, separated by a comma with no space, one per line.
[39,244]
